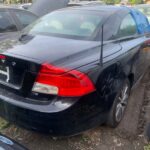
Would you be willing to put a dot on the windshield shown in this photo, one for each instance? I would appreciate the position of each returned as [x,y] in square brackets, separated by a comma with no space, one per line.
[66,24]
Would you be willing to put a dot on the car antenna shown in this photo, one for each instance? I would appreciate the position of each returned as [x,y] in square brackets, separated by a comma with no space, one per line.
[102,44]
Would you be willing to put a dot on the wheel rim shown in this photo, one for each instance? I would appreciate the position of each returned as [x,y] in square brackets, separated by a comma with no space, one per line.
[122,102]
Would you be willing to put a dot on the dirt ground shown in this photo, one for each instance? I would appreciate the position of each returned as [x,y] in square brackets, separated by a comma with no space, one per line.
[129,135]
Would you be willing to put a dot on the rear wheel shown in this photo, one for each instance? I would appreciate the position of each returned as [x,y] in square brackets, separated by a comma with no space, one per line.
[119,106]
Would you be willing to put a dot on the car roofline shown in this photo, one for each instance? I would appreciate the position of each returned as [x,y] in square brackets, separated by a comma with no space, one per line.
[101,8]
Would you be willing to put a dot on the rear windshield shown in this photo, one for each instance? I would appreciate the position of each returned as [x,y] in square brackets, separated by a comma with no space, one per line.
[67,24]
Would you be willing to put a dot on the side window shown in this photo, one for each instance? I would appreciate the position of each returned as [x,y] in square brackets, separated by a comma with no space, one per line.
[111,27]
[25,18]
[6,25]
[128,27]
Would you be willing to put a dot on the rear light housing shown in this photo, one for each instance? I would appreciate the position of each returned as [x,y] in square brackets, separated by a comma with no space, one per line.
[62,82]
[2,56]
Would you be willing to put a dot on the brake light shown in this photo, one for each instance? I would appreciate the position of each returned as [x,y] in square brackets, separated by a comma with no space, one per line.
[2,57]
[60,81]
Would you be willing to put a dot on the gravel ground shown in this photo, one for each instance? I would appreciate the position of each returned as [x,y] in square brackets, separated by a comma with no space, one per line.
[129,135]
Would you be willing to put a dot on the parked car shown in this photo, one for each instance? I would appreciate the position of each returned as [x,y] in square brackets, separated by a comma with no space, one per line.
[43,7]
[72,70]
[9,144]
[13,20]
[20,6]
[25,6]
[81,3]
[145,9]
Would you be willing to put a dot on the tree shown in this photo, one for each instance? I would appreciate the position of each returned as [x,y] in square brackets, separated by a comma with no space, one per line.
[136,2]
[117,1]
[112,1]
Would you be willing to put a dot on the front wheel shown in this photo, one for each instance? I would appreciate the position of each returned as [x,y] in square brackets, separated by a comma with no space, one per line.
[119,106]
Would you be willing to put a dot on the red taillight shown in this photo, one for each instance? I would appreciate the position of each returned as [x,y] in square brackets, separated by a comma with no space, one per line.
[2,57]
[62,82]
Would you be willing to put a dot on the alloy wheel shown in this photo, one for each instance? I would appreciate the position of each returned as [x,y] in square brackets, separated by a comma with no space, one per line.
[122,102]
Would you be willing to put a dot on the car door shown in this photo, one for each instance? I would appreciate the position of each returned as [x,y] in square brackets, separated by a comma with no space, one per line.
[23,18]
[131,43]
[8,27]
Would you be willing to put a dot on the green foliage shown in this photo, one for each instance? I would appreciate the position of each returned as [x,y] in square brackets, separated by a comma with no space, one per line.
[118,1]
[15,1]
[136,1]
[3,124]
[147,147]
[112,1]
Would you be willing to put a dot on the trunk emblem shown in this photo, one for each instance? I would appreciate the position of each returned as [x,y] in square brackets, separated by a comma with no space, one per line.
[13,63]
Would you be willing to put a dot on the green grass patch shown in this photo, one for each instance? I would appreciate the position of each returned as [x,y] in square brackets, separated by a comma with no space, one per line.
[3,124]
[147,147]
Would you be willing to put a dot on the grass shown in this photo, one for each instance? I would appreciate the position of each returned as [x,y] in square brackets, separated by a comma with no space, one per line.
[147,147]
[3,124]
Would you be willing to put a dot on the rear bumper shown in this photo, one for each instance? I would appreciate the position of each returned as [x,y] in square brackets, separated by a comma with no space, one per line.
[62,117]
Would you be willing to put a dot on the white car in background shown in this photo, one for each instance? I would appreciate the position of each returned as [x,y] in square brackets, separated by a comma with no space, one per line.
[25,6]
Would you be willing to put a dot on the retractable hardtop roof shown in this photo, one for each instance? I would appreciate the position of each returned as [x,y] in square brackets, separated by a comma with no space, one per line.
[140,19]
[42,7]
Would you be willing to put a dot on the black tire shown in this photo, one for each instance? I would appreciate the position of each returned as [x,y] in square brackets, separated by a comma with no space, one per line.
[116,113]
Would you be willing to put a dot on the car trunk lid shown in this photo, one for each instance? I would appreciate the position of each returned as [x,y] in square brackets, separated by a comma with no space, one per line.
[23,59]
[17,73]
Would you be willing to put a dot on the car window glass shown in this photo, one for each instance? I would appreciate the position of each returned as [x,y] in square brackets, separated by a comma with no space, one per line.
[127,27]
[111,31]
[67,24]
[6,25]
[25,18]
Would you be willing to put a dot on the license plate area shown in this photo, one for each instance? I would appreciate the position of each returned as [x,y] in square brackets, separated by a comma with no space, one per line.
[10,75]
[4,73]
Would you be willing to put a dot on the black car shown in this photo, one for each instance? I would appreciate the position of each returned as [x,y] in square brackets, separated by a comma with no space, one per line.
[13,20]
[72,69]
[9,144]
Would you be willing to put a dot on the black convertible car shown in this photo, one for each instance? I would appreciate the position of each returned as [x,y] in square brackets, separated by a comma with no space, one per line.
[73,69]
